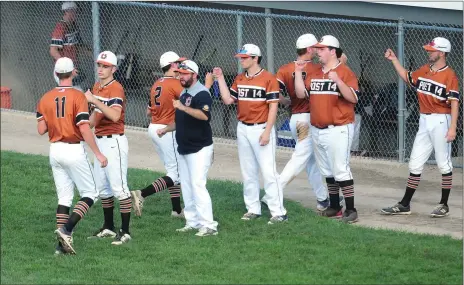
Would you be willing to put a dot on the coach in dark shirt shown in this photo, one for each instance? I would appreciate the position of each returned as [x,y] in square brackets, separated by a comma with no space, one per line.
[195,146]
[193,132]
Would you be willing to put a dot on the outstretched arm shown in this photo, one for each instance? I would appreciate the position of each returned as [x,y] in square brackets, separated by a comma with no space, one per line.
[403,73]
[223,88]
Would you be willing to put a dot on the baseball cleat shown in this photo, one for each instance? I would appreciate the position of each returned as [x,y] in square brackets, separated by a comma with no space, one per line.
[203,232]
[59,250]
[66,240]
[180,215]
[121,238]
[250,216]
[186,229]
[332,213]
[103,233]
[397,209]
[440,211]
[137,202]
[322,205]
[278,219]
[350,216]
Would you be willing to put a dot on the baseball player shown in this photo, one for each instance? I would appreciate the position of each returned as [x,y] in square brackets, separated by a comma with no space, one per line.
[108,118]
[195,146]
[162,112]
[63,112]
[256,92]
[303,157]
[438,93]
[66,40]
[333,93]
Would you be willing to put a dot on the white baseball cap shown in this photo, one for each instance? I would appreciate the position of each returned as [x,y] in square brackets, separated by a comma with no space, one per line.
[108,58]
[328,41]
[438,44]
[69,6]
[187,66]
[64,65]
[306,40]
[249,50]
[169,57]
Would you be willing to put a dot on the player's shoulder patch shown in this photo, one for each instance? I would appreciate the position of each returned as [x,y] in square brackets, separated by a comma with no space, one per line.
[206,108]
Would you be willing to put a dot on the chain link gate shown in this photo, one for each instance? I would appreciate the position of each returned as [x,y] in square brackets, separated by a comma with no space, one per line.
[138,33]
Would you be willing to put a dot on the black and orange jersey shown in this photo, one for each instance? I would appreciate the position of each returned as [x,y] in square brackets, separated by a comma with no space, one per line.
[286,78]
[434,88]
[63,109]
[112,95]
[65,36]
[253,94]
[328,107]
[163,91]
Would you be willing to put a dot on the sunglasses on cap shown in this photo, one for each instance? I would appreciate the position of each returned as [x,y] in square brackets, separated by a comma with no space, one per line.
[185,67]
[245,52]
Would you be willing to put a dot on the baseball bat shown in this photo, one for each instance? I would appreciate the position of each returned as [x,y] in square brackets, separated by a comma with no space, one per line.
[197,47]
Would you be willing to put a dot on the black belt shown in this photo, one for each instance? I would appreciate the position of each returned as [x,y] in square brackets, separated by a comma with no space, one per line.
[252,124]
[301,113]
[427,113]
[70,142]
[109,136]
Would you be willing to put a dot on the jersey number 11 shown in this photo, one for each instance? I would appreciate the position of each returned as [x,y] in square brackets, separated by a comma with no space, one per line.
[63,102]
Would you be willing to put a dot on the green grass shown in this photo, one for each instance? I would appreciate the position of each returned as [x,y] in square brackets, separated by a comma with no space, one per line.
[307,249]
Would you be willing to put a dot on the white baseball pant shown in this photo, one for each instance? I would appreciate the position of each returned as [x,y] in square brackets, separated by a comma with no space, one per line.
[332,150]
[166,148]
[254,157]
[198,208]
[303,157]
[70,166]
[112,180]
[431,136]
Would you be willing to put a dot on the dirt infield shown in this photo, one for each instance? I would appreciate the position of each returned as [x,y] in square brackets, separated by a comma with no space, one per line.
[377,183]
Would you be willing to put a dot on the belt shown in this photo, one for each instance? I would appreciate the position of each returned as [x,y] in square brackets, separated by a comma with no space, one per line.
[252,124]
[301,113]
[109,136]
[427,113]
[69,142]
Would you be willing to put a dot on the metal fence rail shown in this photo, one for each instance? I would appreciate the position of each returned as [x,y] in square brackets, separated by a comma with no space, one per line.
[386,115]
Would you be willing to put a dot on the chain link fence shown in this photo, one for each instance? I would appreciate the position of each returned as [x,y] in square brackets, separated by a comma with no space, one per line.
[140,32]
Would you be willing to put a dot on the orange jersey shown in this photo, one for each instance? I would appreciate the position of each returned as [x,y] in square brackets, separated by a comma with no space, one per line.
[253,94]
[328,107]
[286,78]
[434,88]
[66,36]
[112,95]
[163,91]
[63,109]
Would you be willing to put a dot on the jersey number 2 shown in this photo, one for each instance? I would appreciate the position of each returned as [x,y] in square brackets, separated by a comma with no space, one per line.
[157,95]
[63,102]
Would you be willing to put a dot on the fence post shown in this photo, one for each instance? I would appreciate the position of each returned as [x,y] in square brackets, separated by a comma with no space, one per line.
[239,39]
[269,42]
[401,94]
[96,34]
